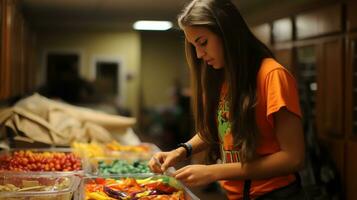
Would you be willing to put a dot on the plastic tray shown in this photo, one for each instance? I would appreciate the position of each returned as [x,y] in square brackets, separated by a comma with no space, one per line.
[34,186]
[172,182]
[61,150]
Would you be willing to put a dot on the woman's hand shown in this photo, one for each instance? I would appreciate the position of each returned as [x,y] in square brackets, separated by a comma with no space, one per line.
[195,175]
[166,160]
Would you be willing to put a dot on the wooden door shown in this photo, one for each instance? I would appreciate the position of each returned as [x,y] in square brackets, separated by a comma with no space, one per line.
[15,51]
[351,15]
[2,71]
[331,106]
[351,117]
[331,69]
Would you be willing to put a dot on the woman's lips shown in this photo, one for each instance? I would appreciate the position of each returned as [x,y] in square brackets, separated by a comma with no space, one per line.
[209,61]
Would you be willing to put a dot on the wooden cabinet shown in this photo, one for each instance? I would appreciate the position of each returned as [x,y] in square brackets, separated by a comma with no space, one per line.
[17,52]
[282,34]
[351,117]
[1,48]
[351,173]
[320,73]
[263,33]
[321,50]
[351,87]
[331,85]
[6,47]
[282,30]
[337,149]
[351,15]
[319,22]
[307,79]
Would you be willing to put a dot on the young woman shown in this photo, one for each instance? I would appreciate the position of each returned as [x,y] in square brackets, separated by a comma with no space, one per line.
[246,109]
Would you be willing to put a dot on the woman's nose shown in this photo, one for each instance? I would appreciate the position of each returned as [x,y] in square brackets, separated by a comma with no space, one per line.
[200,52]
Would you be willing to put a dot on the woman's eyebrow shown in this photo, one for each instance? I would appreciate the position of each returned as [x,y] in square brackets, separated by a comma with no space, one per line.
[198,38]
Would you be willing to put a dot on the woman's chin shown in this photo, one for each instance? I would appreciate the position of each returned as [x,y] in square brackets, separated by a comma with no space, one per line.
[216,67]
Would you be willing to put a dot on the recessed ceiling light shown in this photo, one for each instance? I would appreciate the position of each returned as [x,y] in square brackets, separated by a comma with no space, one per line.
[152,25]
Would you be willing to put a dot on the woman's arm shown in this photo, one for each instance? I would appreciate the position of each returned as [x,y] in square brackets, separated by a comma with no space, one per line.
[197,143]
[170,158]
[288,160]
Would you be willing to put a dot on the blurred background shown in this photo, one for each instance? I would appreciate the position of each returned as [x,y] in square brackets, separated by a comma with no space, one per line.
[86,53]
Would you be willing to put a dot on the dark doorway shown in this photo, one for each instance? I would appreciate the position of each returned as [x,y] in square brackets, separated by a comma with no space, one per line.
[60,65]
[107,78]
[63,79]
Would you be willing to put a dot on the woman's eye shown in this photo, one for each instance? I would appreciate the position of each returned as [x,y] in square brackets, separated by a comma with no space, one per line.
[204,43]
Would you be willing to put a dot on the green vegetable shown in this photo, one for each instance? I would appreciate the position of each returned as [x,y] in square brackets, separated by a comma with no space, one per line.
[123,167]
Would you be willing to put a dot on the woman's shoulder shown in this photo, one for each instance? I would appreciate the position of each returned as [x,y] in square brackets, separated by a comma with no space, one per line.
[270,64]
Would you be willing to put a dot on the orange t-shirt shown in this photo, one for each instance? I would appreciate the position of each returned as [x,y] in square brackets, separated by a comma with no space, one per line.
[276,88]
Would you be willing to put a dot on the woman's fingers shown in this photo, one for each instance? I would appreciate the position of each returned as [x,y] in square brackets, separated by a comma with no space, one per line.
[182,173]
[170,160]
[161,161]
[166,164]
[154,163]
[152,166]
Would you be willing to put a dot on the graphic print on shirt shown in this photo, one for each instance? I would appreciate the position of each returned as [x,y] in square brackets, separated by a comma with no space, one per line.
[229,152]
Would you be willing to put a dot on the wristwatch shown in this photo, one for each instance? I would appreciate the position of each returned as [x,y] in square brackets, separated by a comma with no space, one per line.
[188,148]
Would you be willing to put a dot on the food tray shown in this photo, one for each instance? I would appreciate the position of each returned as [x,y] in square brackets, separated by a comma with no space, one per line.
[143,151]
[50,160]
[34,186]
[88,150]
[92,187]
[113,166]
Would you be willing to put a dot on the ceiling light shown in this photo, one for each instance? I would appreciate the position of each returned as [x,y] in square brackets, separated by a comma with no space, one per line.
[152,25]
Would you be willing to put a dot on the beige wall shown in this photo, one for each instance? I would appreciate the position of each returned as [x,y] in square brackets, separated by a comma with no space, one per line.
[163,61]
[155,59]
[123,45]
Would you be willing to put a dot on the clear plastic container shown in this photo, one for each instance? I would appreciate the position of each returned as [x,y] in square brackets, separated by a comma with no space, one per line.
[83,168]
[142,179]
[35,186]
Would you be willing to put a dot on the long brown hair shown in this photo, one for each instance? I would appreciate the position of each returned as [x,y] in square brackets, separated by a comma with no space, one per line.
[243,54]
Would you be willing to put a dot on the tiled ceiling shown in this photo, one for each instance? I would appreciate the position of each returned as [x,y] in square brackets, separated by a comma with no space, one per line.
[120,14]
[104,13]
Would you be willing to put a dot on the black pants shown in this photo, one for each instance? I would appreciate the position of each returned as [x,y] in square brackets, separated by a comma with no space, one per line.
[293,191]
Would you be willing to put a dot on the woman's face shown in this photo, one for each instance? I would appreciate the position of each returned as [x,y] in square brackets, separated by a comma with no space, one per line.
[208,45]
